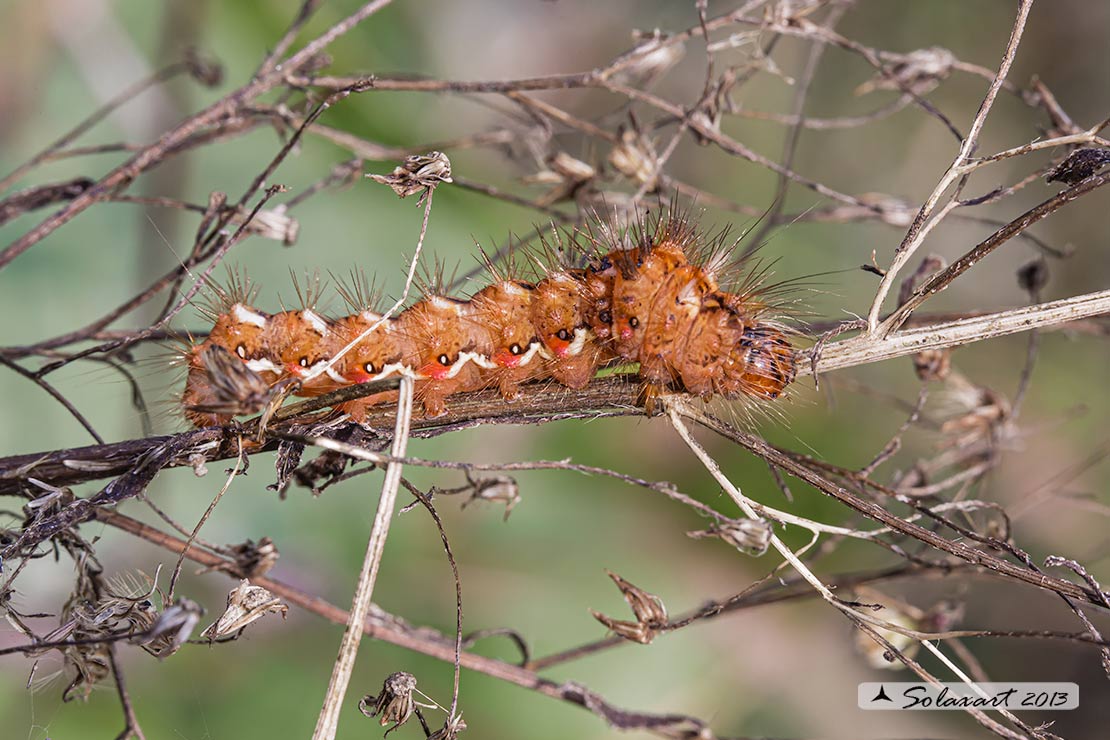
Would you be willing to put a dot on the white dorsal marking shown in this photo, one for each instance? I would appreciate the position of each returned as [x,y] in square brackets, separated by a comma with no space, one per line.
[244,315]
[440,303]
[317,323]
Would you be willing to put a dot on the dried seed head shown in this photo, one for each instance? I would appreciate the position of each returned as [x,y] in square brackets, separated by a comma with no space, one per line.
[933,364]
[877,655]
[1033,276]
[271,223]
[651,58]
[650,613]
[96,611]
[498,488]
[568,175]
[633,631]
[634,157]
[207,72]
[647,607]
[245,604]
[570,168]
[1079,165]
[944,616]
[232,387]
[419,173]
[395,703]
[919,72]
[172,628]
[450,730]
[929,265]
[255,559]
[749,536]
[980,413]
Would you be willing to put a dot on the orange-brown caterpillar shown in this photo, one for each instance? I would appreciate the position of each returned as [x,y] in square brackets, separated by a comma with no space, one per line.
[641,300]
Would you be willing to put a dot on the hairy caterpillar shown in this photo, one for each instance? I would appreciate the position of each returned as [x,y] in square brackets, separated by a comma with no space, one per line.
[651,296]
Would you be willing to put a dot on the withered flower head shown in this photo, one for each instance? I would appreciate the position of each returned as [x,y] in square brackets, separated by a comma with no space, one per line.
[650,613]
[896,613]
[245,604]
[450,730]
[496,488]
[395,703]
[255,559]
[96,611]
[567,174]
[978,414]
[944,616]
[233,387]
[1079,165]
[172,628]
[271,223]
[1033,276]
[570,168]
[749,536]
[653,56]
[207,72]
[919,72]
[419,173]
[634,157]
[933,364]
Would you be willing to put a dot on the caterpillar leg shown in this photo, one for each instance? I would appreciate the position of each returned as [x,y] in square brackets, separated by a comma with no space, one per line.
[359,409]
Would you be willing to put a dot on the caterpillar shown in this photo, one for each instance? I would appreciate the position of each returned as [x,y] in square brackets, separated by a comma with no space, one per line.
[651,295]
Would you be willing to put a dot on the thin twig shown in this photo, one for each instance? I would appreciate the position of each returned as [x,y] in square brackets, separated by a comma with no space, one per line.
[328,722]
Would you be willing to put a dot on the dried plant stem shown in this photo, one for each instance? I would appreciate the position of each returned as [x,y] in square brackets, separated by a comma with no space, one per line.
[866,348]
[410,277]
[151,155]
[391,629]
[604,397]
[674,412]
[239,462]
[328,721]
[131,728]
[922,224]
[944,278]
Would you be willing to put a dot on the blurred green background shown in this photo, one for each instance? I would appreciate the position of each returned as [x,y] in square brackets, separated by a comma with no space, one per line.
[773,671]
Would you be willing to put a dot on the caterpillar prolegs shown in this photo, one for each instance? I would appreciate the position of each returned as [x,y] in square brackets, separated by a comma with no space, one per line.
[652,296]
